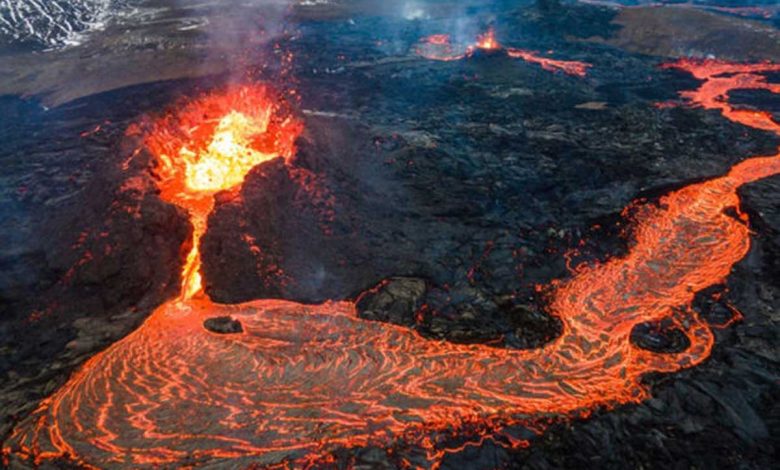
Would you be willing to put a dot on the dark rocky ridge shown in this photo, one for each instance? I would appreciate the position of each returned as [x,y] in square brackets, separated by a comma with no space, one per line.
[89,251]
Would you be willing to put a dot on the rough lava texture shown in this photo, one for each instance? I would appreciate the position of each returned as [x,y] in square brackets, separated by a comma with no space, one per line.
[88,251]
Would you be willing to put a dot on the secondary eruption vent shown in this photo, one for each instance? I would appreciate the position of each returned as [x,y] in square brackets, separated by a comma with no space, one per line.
[301,381]
[440,47]
[488,41]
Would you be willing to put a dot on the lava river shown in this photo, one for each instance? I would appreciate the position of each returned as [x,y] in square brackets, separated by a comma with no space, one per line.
[303,380]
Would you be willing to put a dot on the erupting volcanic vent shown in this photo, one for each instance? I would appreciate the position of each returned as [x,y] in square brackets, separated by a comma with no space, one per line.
[439,47]
[488,40]
[209,146]
[301,380]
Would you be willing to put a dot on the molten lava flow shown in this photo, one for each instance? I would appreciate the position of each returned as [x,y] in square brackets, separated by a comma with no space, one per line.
[208,146]
[439,47]
[304,380]
[569,67]
[438,39]
[722,77]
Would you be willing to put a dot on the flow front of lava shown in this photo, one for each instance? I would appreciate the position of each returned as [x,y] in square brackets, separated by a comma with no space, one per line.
[304,380]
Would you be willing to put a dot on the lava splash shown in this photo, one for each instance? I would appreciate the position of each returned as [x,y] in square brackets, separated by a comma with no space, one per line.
[304,380]
[209,145]
[440,47]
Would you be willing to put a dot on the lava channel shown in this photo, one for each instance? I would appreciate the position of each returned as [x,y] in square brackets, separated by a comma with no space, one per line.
[304,380]
[440,47]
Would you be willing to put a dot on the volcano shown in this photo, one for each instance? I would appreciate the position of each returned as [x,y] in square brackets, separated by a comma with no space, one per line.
[439,47]
[366,249]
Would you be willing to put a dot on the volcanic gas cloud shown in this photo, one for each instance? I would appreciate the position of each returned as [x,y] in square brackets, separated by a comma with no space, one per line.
[302,380]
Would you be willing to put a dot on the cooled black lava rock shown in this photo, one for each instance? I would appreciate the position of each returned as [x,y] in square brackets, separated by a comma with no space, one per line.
[223,325]
[394,300]
[485,54]
[461,314]
[533,326]
[660,337]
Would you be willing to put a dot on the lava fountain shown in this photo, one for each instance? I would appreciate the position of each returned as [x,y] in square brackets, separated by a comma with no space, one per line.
[440,47]
[208,146]
[488,41]
[303,380]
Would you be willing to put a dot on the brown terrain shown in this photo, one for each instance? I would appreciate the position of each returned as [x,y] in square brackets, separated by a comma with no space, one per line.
[669,31]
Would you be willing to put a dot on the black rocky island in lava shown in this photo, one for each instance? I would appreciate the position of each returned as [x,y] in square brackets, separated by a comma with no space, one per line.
[364,234]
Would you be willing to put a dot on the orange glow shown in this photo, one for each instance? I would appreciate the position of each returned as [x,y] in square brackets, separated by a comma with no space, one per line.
[720,78]
[569,67]
[191,282]
[488,41]
[229,155]
[209,146]
[438,39]
[439,47]
[302,381]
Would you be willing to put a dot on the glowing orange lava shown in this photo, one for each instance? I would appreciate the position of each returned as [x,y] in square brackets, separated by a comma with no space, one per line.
[208,146]
[302,380]
[438,39]
[488,41]
[722,77]
[439,47]
[569,67]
